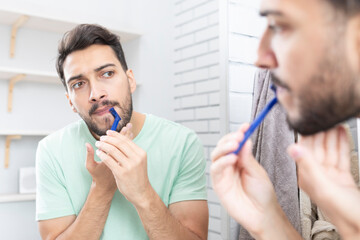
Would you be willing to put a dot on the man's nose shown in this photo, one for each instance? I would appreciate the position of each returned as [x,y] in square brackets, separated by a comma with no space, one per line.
[266,56]
[97,93]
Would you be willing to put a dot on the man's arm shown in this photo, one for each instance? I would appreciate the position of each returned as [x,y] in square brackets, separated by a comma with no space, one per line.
[183,220]
[128,162]
[88,224]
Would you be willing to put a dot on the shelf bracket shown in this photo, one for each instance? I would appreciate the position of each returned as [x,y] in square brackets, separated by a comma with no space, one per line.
[7,148]
[12,82]
[19,22]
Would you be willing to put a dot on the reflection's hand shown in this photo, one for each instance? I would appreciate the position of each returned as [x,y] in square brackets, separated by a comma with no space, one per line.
[323,162]
[243,185]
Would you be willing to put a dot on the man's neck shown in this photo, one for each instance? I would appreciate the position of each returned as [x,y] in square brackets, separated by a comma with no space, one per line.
[137,120]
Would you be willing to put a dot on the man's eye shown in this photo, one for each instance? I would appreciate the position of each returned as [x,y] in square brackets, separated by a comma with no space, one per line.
[108,74]
[275,28]
[77,85]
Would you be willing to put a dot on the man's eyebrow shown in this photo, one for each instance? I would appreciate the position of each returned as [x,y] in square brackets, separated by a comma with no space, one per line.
[265,13]
[96,70]
[74,78]
[104,66]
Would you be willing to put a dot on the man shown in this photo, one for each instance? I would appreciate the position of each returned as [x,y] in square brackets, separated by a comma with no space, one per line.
[150,187]
[313,50]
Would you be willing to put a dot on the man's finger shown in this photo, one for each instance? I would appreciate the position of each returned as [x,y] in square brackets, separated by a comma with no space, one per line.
[217,168]
[229,137]
[247,161]
[124,144]
[244,127]
[297,152]
[319,147]
[332,148]
[229,143]
[307,168]
[221,150]
[126,131]
[344,150]
[112,151]
[129,133]
[90,161]
[307,142]
[235,135]
[111,163]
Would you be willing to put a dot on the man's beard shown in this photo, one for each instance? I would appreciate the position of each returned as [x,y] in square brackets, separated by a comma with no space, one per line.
[125,114]
[330,99]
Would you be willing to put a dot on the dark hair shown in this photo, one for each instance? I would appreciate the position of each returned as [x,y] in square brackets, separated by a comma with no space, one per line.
[349,7]
[83,36]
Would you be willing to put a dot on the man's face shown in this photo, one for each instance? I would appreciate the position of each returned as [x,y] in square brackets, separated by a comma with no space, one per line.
[310,51]
[96,82]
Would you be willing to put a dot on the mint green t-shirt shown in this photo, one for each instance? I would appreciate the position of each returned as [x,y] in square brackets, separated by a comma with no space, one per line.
[176,170]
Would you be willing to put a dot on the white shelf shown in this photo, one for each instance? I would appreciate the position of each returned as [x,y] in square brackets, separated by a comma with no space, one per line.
[48,23]
[33,76]
[24,133]
[17,197]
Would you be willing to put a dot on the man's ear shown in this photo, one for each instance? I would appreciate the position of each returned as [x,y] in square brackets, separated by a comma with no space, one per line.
[131,79]
[71,104]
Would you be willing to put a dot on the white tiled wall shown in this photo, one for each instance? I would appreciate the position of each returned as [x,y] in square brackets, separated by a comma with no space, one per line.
[197,81]
[198,66]
[245,28]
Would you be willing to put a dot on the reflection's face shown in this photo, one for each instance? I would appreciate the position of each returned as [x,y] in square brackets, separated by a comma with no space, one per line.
[311,54]
[96,82]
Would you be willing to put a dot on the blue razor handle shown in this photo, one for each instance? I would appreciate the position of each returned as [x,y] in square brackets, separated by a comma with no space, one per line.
[117,119]
[257,121]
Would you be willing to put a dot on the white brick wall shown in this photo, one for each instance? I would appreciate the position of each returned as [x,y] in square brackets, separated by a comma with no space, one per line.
[196,82]
[210,85]
[243,48]
[245,28]
[207,33]
[241,77]
[240,12]
[194,75]
[199,75]
[209,113]
[240,107]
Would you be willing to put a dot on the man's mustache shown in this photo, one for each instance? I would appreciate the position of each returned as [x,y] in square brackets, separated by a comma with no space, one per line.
[278,82]
[109,103]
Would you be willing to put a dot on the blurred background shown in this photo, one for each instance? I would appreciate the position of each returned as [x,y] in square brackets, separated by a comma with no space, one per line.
[192,59]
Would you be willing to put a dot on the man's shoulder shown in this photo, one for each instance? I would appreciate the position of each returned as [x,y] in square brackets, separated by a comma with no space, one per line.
[64,134]
[167,131]
[169,126]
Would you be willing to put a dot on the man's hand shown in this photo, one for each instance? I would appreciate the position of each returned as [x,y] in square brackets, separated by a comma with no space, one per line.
[103,179]
[90,222]
[323,162]
[244,187]
[128,164]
